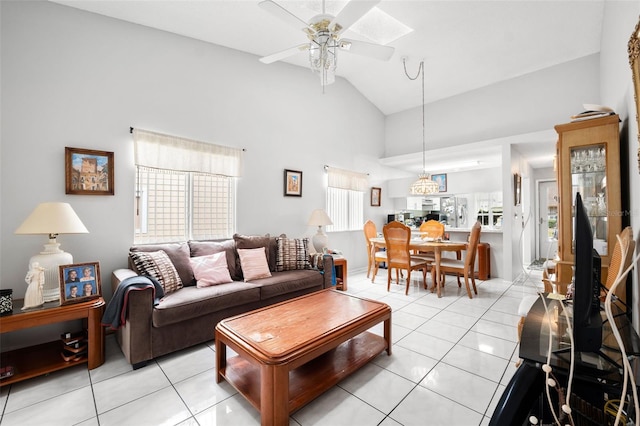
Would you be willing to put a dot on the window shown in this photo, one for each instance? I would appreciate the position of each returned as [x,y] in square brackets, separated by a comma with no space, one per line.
[345,199]
[184,199]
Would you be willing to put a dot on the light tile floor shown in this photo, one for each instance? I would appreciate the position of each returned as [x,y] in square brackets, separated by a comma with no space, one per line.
[452,358]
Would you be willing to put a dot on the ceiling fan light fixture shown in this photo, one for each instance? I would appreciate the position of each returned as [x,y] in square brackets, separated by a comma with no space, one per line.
[323,58]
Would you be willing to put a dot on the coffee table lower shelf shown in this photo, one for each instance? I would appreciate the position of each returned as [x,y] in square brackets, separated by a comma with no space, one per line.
[310,380]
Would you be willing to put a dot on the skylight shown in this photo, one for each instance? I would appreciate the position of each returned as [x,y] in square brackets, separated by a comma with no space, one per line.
[380,27]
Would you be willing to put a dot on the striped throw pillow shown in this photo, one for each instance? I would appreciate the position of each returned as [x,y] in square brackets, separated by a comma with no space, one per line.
[157,264]
[293,253]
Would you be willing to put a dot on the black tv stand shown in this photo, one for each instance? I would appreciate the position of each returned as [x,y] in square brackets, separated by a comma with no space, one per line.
[596,373]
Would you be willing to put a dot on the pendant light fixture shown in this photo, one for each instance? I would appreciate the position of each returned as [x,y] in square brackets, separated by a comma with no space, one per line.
[424,185]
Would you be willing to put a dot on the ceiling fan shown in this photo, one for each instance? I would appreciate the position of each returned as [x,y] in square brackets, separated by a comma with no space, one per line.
[323,32]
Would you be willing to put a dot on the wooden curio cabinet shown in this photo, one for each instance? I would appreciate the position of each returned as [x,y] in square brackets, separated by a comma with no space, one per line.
[588,162]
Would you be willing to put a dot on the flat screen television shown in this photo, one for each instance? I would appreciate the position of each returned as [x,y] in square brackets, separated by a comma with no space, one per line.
[587,321]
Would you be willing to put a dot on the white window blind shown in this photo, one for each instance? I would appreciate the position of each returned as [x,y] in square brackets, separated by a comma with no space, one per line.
[345,199]
[178,204]
[160,151]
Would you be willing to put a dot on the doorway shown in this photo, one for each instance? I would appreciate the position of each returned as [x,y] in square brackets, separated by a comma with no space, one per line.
[547,220]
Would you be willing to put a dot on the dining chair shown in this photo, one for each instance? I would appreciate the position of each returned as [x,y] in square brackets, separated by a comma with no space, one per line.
[626,241]
[431,229]
[397,237]
[374,257]
[464,266]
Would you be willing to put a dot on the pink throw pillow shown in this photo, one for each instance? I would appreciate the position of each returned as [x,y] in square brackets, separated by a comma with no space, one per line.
[254,263]
[210,270]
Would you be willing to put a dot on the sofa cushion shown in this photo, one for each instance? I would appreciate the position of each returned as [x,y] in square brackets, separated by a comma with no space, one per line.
[281,283]
[179,255]
[193,302]
[255,241]
[157,264]
[254,263]
[203,248]
[210,270]
[292,254]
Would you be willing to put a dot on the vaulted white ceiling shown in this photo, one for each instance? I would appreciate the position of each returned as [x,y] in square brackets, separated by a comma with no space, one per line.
[465,44]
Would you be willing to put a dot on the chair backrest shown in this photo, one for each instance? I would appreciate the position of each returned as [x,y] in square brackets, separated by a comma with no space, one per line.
[626,240]
[369,232]
[431,229]
[397,237]
[472,248]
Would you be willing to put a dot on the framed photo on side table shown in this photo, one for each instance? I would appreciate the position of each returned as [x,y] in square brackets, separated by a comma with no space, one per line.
[375,196]
[79,282]
[88,172]
[292,183]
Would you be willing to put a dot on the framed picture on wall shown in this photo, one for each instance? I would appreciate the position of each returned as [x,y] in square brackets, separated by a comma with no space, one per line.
[88,172]
[375,196]
[79,282]
[292,183]
[517,189]
[441,180]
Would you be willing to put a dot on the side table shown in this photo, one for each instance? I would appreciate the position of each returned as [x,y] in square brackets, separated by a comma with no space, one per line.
[340,264]
[45,358]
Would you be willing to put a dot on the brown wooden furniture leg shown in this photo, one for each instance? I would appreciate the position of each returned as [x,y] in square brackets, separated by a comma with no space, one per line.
[221,358]
[95,338]
[274,395]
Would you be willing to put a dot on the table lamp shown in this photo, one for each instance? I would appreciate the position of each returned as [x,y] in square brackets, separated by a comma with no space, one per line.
[52,219]
[320,218]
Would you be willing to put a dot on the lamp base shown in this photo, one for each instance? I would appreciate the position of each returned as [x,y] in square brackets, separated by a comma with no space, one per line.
[320,240]
[50,261]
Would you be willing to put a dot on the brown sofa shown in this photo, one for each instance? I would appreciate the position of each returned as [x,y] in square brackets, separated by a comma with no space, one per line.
[188,316]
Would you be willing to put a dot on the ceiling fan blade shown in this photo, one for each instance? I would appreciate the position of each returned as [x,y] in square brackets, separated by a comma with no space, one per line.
[377,51]
[281,13]
[284,54]
[353,11]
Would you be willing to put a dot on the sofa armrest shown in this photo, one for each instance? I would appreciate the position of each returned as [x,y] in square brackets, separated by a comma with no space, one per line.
[134,337]
[118,276]
[327,266]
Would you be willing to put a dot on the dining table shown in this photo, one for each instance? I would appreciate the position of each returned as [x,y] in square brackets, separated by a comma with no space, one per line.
[427,245]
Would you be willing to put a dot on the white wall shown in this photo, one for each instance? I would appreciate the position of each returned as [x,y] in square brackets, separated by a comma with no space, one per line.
[620,19]
[72,78]
[525,104]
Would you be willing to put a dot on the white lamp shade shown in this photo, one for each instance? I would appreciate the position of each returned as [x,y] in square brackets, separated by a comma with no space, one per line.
[319,218]
[52,218]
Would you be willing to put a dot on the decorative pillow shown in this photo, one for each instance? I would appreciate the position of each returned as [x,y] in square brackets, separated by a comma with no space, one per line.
[210,270]
[157,264]
[179,255]
[292,254]
[255,241]
[205,248]
[317,260]
[254,263]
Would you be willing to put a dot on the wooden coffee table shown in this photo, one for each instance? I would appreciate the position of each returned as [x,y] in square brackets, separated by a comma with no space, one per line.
[292,352]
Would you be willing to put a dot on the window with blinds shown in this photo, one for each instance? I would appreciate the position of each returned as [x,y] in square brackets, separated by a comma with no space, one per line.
[185,189]
[178,206]
[345,199]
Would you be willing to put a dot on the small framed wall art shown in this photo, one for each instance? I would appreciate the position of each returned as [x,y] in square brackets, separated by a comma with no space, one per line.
[517,189]
[88,172]
[292,183]
[375,196]
[441,180]
[79,282]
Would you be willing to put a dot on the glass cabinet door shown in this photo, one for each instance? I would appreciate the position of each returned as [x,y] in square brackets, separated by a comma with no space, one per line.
[589,178]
